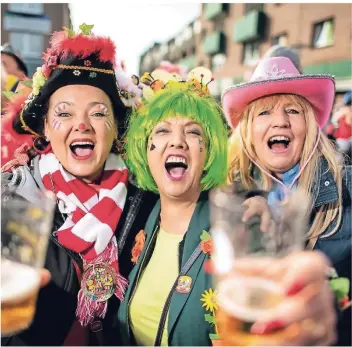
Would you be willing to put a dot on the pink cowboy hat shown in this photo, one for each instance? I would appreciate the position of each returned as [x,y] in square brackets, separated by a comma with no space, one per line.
[279,76]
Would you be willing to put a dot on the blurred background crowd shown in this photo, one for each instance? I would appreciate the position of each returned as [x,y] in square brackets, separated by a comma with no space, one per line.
[227,38]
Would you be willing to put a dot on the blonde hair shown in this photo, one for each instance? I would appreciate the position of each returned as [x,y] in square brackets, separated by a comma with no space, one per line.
[241,155]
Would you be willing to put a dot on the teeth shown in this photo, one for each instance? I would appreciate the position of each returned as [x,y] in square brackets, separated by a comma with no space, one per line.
[174,159]
[76,143]
[279,138]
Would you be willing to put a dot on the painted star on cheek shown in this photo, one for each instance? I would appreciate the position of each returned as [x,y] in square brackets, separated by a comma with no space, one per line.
[152,146]
[200,141]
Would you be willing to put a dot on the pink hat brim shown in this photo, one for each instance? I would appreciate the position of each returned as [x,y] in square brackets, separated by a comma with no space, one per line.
[319,90]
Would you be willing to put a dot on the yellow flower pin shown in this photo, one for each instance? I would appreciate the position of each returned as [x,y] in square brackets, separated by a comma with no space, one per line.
[209,300]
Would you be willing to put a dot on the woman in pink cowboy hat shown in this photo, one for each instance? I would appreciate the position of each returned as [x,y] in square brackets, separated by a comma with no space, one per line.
[277,144]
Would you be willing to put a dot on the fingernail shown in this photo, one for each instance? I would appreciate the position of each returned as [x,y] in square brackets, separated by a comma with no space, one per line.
[208,266]
[295,288]
[264,328]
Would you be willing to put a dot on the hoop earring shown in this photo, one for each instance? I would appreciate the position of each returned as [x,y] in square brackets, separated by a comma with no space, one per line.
[118,146]
[41,145]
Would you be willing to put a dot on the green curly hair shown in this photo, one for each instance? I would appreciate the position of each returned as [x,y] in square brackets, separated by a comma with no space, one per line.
[186,103]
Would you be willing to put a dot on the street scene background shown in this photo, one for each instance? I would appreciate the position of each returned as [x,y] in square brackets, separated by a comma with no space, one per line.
[227,38]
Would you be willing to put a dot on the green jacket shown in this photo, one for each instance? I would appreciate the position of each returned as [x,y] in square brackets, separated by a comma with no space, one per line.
[186,323]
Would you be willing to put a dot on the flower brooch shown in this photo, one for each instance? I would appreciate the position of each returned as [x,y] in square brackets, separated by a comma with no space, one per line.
[210,303]
[206,244]
[138,246]
[341,287]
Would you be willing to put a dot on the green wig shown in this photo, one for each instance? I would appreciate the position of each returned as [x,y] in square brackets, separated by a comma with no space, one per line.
[186,103]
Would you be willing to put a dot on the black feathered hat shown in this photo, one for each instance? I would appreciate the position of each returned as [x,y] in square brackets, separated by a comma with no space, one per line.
[72,59]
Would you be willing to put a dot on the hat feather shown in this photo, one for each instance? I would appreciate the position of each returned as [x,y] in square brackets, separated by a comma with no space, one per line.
[82,46]
[15,105]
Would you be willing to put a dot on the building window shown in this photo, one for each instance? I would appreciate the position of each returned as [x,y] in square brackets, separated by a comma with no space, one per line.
[323,34]
[251,53]
[27,8]
[188,33]
[226,7]
[147,60]
[155,54]
[179,40]
[203,33]
[253,7]
[163,49]
[171,45]
[281,39]
[29,45]
[218,61]
[219,24]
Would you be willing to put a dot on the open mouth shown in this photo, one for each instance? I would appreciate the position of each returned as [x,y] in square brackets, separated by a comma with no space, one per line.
[176,167]
[279,143]
[82,149]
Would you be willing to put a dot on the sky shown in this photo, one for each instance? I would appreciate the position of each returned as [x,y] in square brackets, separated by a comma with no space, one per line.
[134,27]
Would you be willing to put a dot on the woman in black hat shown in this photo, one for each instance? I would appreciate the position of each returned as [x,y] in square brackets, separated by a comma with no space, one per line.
[13,62]
[75,114]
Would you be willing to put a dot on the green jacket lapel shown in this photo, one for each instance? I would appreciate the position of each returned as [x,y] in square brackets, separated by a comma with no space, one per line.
[199,222]
[149,229]
[123,314]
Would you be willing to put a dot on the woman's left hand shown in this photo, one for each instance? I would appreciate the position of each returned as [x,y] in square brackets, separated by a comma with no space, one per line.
[257,206]
[307,311]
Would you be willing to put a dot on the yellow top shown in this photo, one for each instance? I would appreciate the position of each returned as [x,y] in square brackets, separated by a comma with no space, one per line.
[10,82]
[153,288]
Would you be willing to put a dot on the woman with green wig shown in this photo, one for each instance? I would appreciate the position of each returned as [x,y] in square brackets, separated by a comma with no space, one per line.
[176,146]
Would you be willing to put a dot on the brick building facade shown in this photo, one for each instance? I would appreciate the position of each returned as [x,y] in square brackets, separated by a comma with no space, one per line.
[28,27]
[230,39]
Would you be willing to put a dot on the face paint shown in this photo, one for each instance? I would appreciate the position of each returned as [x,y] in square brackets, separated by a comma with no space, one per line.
[59,108]
[103,108]
[152,146]
[56,124]
[200,141]
[82,127]
[108,124]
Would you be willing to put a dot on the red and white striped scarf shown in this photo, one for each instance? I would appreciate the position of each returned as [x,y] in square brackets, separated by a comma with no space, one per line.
[92,220]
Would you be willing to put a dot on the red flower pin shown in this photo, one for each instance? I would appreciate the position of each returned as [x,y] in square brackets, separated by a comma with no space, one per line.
[138,246]
[51,58]
[206,244]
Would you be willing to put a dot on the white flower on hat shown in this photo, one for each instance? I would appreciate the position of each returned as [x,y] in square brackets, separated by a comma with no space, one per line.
[130,93]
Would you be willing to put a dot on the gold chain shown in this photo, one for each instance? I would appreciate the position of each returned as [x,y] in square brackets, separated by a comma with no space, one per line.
[25,126]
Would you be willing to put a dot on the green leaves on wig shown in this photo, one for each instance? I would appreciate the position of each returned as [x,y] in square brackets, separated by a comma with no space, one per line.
[168,104]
